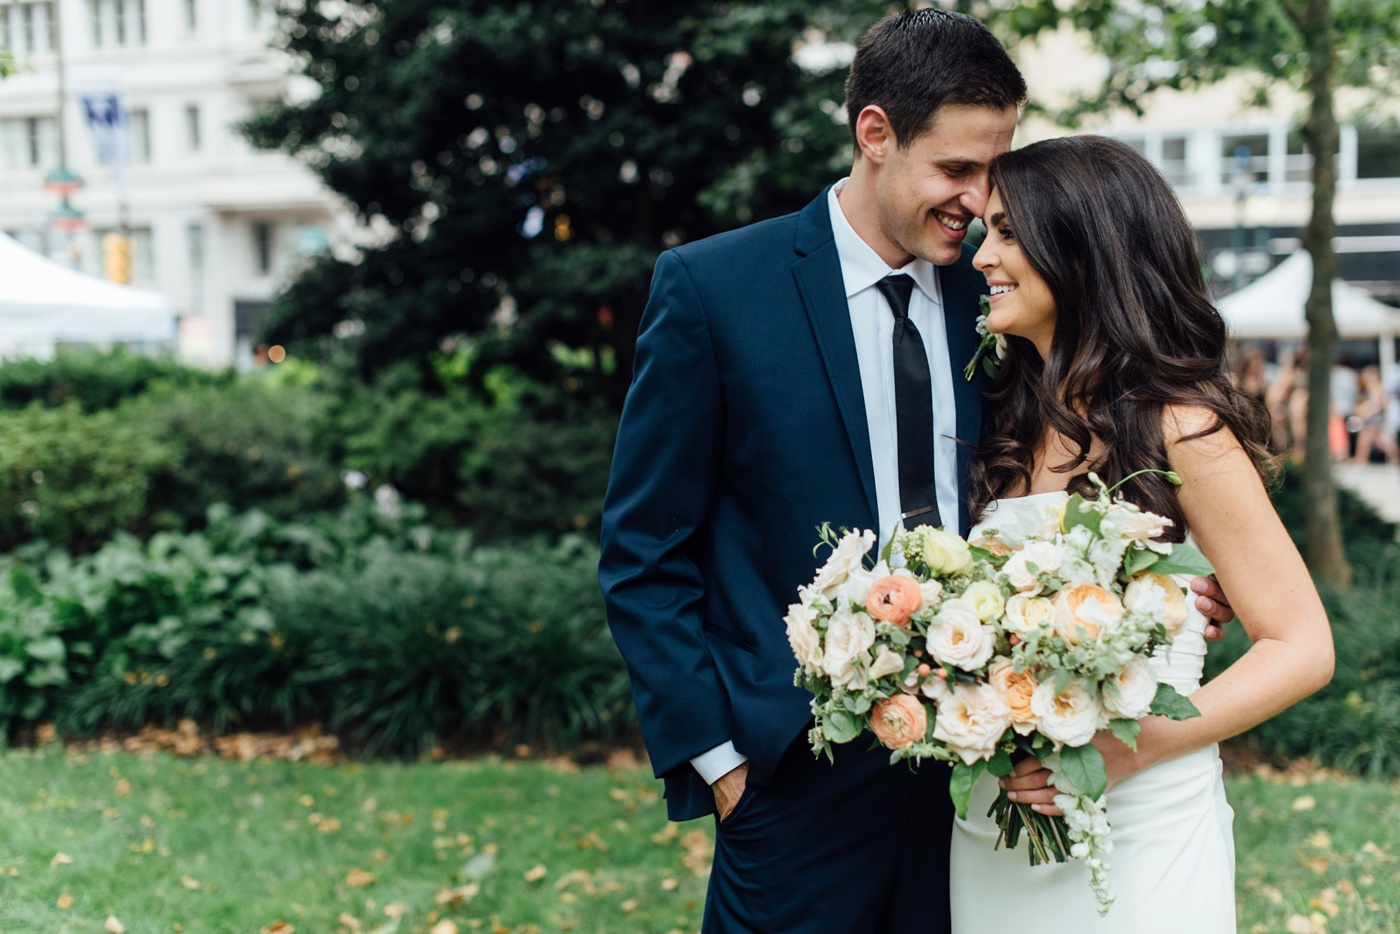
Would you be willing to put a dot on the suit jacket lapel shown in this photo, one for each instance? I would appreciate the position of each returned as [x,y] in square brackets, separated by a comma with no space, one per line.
[819,282]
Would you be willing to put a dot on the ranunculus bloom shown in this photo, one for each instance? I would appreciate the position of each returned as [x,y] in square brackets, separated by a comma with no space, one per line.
[1143,593]
[1026,612]
[971,720]
[1015,688]
[1085,606]
[993,544]
[1137,686]
[899,721]
[893,599]
[958,638]
[1071,717]
[986,599]
[802,636]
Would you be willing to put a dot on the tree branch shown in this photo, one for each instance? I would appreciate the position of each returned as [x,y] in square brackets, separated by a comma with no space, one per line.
[1294,13]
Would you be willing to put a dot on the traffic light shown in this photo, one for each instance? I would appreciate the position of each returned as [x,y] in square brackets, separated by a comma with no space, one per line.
[116,258]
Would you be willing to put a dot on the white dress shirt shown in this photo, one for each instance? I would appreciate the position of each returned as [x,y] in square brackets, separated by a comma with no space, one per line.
[872,324]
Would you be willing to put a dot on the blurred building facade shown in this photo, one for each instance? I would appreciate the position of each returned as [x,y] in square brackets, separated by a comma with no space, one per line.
[1242,172]
[216,225]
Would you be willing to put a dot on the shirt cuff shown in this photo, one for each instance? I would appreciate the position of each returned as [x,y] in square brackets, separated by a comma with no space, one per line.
[718,762]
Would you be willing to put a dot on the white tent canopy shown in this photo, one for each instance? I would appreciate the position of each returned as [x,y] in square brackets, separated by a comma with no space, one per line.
[43,303]
[1272,307]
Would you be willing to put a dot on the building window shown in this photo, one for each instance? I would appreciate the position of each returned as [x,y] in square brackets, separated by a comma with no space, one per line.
[1244,154]
[140,119]
[192,15]
[194,236]
[1174,162]
[262,248]
[192,134]
[1377,152]
[1297,164]
[117,23]
[26,26]
[28,143]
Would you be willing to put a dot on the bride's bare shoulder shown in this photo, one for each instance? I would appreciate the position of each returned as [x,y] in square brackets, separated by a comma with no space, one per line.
[1198,428]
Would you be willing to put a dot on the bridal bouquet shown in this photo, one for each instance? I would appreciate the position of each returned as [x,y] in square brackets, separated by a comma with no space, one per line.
[980,654]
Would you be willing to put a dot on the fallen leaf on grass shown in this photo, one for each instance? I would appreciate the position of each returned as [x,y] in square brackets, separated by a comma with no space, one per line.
[536,874]
[190,882]
[395,910]
[456,898]
[59,859]
[113,926]
[123,788]
[1321,840]
[359,878]
[444,927]
[277,927]
[349,921]
[630,905]
[65,901]
[1304,803]
[665,834]
[478,866]
[329,825]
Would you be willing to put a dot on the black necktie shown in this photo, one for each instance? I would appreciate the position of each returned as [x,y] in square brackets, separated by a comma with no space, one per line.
[913,404]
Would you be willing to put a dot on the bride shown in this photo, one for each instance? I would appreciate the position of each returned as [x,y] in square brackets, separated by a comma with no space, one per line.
[1113,365]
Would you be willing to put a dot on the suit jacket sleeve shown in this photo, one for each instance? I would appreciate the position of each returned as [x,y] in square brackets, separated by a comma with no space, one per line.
[655,522]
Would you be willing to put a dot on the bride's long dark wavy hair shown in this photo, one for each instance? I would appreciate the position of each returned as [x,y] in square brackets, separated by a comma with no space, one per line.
[1135,329]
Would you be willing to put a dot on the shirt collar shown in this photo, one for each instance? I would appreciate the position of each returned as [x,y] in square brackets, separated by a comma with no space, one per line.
[861,266]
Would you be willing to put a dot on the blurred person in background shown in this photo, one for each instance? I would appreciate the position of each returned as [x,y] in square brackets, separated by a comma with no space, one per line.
[1375,437]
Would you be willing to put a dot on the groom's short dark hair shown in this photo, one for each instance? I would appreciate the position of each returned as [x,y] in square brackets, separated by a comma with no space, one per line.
[914,62]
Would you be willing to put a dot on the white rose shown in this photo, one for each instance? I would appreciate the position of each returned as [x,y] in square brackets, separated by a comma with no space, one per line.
[1071,717]
[936,689]
[986,599]
[855,588]
[845,558]
[1026,612]
[957,637]
[1146,527]
[1157,596]
[848,635]
[1137,686]
[932,592]
[971,720]
[945,554]
[803,637]
[1044,556]
[887,662]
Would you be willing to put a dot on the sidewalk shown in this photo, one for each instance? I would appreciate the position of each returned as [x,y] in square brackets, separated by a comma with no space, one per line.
[1378,484]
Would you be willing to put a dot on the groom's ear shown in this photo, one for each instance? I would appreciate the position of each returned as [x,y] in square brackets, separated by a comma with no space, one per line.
[874,135]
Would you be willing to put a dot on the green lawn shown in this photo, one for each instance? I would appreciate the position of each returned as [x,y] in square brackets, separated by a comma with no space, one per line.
[162,844]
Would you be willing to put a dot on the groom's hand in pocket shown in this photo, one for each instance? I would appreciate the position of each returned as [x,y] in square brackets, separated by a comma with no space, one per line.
[728,788]
[1214,605]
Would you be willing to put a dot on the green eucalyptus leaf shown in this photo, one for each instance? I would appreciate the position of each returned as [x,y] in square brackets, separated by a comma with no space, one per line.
[1084,766]
[960,784]
[1169,703]
[1184,559]
[1126,731]
[842,726]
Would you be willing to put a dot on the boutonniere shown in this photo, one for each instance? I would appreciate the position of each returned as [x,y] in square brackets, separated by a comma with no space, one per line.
[991,351]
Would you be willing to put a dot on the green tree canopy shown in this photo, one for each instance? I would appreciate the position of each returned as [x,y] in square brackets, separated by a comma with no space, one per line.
[526,162]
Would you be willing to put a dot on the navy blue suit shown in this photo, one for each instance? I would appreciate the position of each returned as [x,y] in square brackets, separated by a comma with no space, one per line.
[743,431]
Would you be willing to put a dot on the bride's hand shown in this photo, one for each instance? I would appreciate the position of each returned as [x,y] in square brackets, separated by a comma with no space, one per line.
[1029,781]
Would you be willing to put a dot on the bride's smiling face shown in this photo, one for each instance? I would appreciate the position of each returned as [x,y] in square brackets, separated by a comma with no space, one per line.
[1021,303]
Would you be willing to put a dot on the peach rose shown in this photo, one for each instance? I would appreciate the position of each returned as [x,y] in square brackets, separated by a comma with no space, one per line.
[1088,607]
[1143,592]
[893,599]
[899,721]
[1015,688]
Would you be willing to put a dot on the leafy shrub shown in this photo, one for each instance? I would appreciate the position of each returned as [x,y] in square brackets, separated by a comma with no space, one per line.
[77,478]
[93,379]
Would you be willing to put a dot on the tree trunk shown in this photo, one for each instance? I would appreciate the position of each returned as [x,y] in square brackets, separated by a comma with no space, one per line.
[1325,556]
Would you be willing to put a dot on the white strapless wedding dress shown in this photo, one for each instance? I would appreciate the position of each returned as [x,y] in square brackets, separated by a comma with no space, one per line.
[1173,863]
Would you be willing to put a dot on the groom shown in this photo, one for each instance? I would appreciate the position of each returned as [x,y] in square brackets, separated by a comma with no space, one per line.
[803,370]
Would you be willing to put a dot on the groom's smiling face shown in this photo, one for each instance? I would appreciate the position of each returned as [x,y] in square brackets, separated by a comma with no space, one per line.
[928,192]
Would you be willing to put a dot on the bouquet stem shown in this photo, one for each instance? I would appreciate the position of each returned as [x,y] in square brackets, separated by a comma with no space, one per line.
[1045,836]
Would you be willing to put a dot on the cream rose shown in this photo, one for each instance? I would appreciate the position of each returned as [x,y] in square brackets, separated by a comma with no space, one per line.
[1136,685]
[848,636]
[945,553]
[932,592]
[971,720]
[1015,688]
[993,544]
[1086,607]
[1156,593]
[845,558]
[986,599]
[1044,557]
[887,662]
[1025,612]
[1146,527]
[803,637]
[958,638]
[899,721]
[1071,717]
